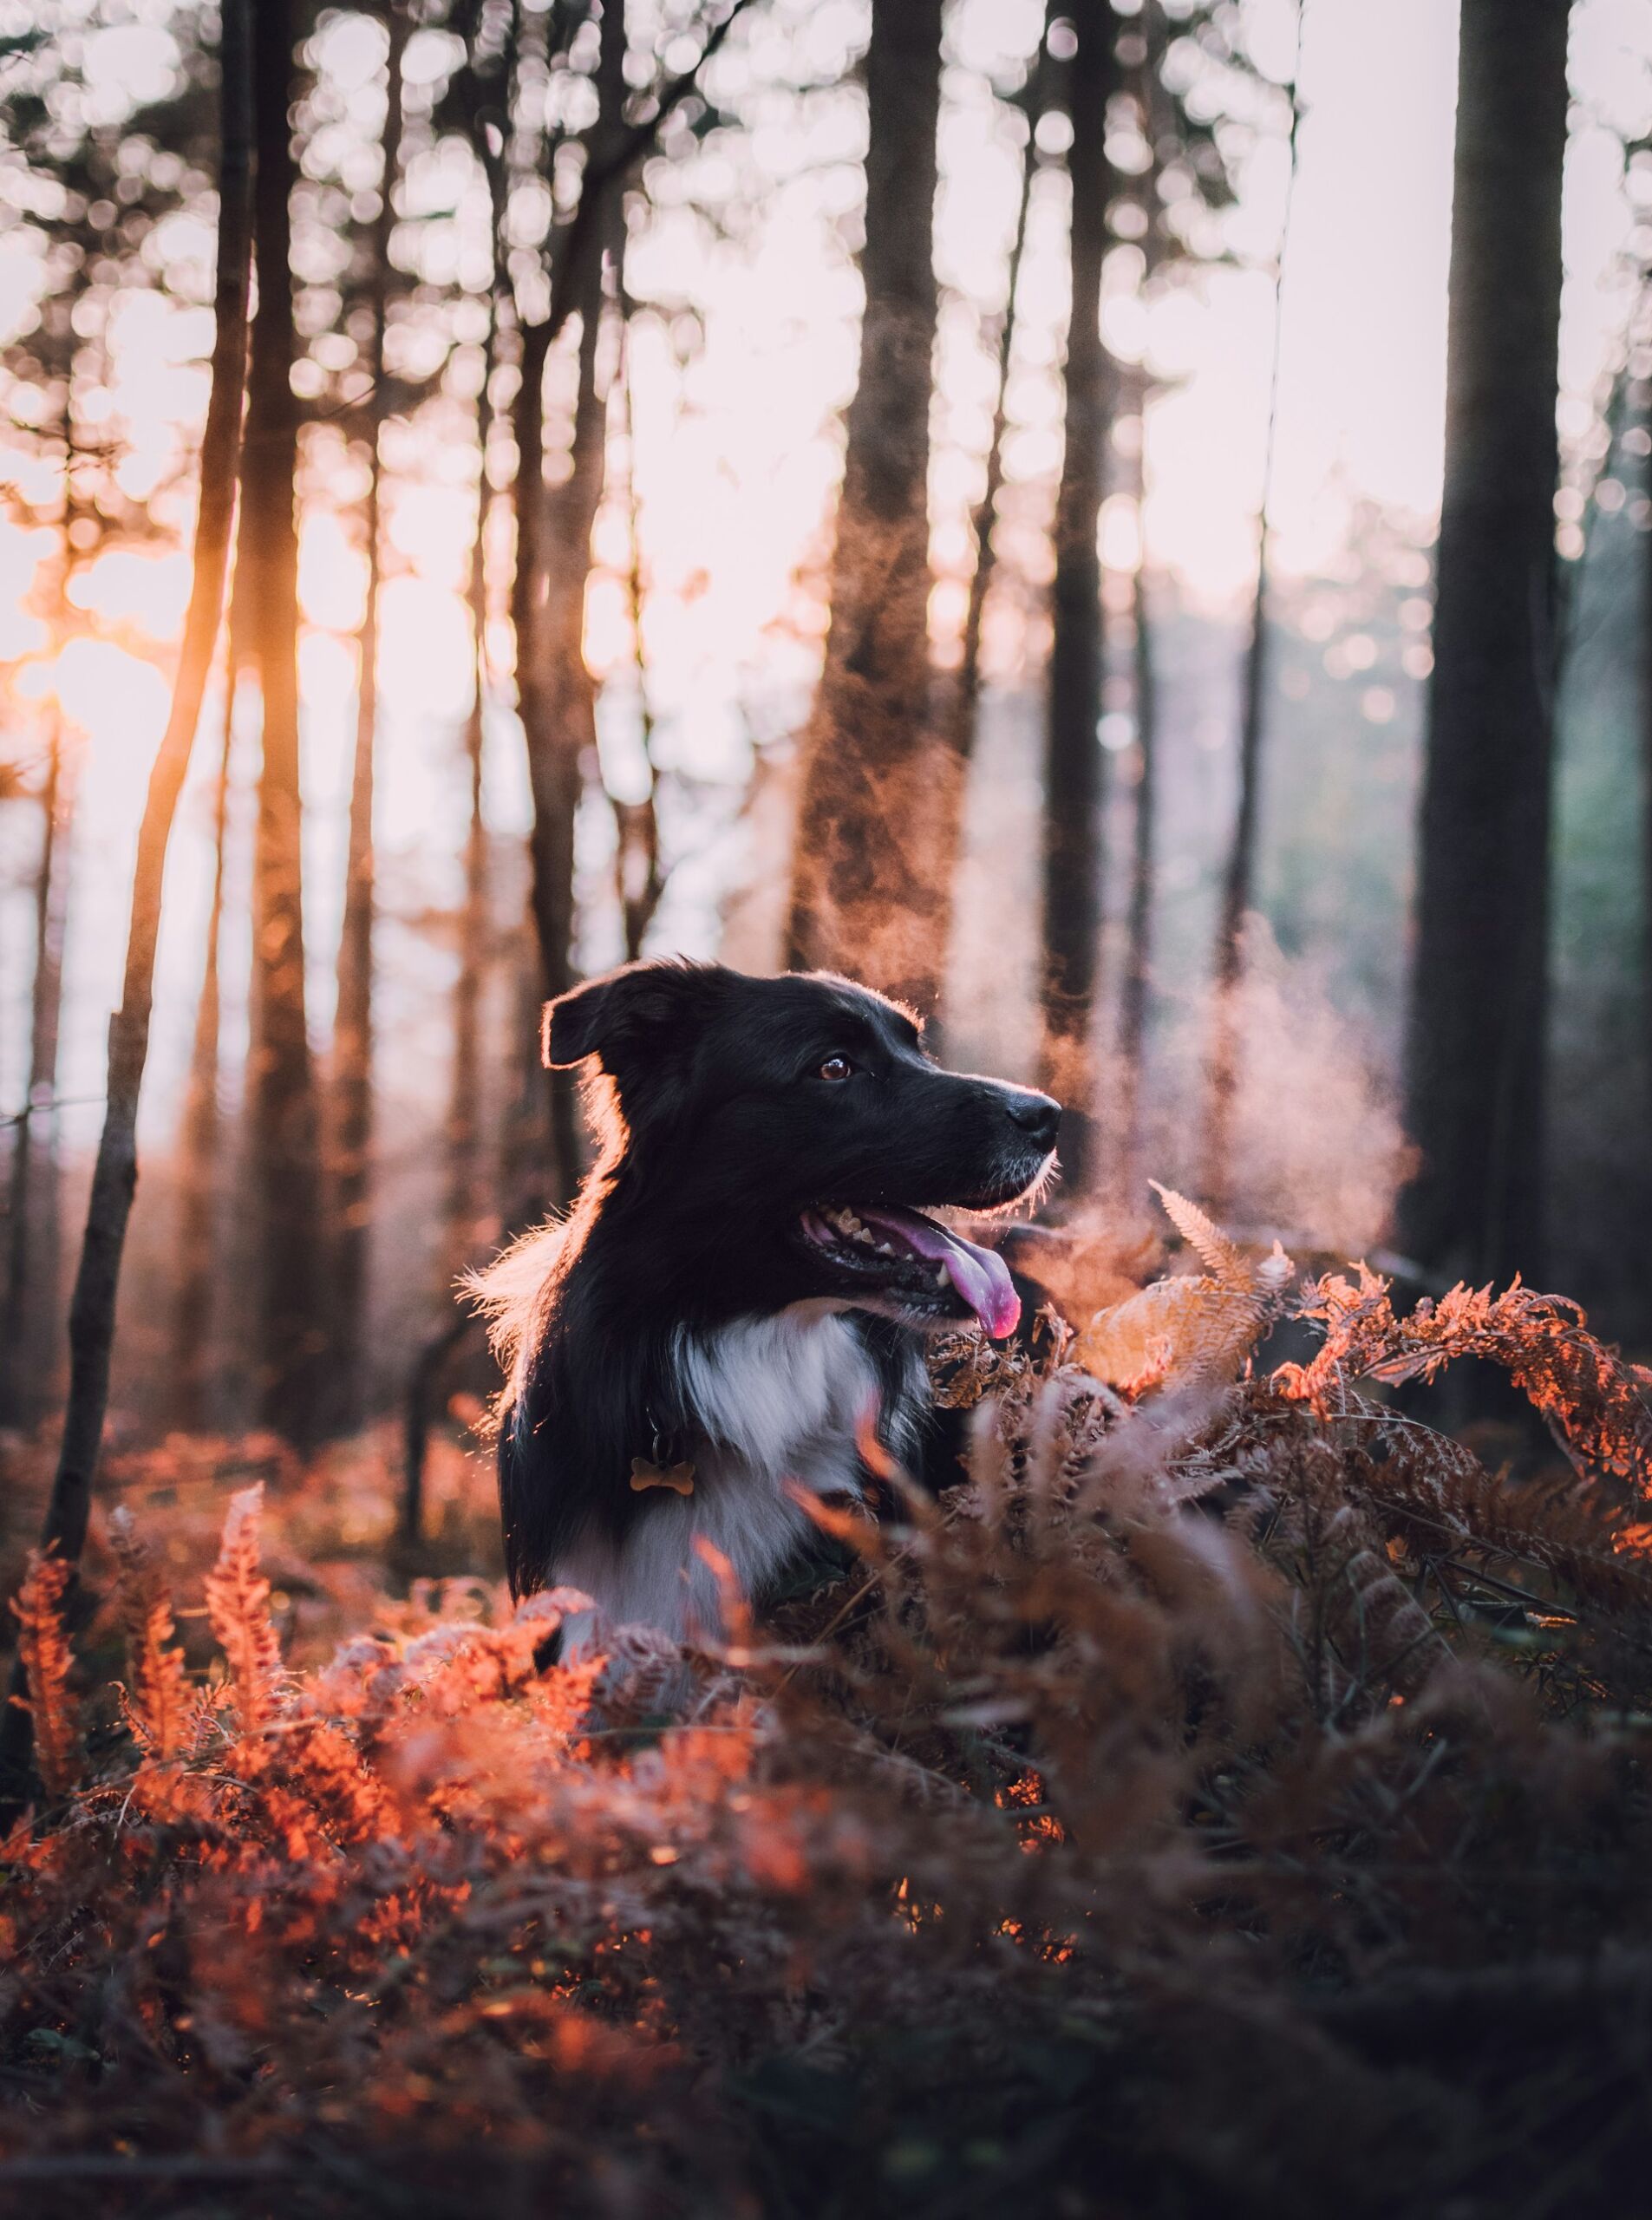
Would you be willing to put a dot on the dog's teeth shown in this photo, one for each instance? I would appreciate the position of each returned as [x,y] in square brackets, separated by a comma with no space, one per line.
[942,1278]
[884,1249]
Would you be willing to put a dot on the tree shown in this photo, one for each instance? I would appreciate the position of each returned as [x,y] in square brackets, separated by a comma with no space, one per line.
[1239,878]
[961,714]
[557,698]
[1477,1014]
[31,1280]
[96,197]
[554,689]
[352,1075]
[637,879]
[864,893]
[1073,791]
[201,1127]
[114,1177]
[281,1093]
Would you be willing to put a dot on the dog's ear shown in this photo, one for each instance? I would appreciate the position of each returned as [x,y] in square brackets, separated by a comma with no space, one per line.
[572,1027]
[638,1011]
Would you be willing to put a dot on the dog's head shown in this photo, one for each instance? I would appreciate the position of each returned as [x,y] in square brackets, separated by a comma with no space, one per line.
[779,1139]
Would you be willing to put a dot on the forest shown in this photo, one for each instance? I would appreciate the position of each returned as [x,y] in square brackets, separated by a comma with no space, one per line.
[1124,525]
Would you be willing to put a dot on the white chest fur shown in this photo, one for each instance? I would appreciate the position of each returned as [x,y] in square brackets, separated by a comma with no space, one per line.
[778,1401]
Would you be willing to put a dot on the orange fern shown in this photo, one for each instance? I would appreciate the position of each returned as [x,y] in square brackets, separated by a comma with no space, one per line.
[160,1706]
[1191,1331]
[43,1647]
[1595,1401]
[237,1603]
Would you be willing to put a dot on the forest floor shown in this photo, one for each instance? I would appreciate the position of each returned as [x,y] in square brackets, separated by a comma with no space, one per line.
[1233,1799]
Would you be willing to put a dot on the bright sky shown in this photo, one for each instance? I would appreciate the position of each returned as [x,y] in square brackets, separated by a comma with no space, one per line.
[736,447]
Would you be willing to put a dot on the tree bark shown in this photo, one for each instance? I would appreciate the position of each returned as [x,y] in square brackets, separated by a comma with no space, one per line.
[282,1091]
[963,704]
[1239,877]
[1138,965]
[352,1107]
[959,725]
[637,880]
[91,1326]
[1645,676]
[464,1118]
[1073,762]
[29,1314]
[557,698]
[1477,1008]
[866,891]
[201,1127]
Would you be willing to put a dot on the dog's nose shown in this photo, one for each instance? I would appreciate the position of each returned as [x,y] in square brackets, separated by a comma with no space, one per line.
[1037,1116]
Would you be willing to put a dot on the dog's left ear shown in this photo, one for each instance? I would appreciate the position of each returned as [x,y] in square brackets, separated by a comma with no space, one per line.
[572,1027]
[627,1016]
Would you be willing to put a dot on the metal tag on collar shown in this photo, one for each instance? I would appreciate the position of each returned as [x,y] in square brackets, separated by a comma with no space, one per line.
[646,1473]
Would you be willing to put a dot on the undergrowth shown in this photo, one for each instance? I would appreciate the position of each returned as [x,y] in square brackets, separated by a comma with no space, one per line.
[1233,1799]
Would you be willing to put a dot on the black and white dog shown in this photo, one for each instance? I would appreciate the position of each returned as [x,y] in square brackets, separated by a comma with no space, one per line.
[745,1280]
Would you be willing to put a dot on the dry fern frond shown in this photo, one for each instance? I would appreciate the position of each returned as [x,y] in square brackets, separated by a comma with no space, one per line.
[1220,1256]
[48,1662]
[161,1708]
[1191,1331]
[237,1603]
[1582,1387]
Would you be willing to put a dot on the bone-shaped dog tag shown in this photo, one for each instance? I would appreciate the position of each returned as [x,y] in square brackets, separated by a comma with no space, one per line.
[644,1475]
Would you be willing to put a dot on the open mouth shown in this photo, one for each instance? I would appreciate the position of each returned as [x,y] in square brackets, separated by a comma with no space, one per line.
[924,1266]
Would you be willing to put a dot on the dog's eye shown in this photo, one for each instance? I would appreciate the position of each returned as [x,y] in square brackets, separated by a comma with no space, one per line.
[835,1067]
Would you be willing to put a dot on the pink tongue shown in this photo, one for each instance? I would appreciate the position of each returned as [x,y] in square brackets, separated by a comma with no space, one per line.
[980,1276]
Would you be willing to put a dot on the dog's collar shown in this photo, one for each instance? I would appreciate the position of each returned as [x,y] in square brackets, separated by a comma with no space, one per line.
[668,1464]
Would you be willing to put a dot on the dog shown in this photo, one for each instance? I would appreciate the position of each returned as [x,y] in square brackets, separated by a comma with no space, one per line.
[745,1281]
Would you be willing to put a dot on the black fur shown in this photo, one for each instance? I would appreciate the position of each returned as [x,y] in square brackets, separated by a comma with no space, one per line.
[716,1132]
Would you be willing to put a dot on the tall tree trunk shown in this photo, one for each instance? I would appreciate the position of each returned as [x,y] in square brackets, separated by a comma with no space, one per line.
[115,1179]
[464,1116]
[1137,963]
[963,703]
[29,1314]
[201,1140]
[352,1106]
[638,881]
[965,695]
[865,894]
[1645,674]
[553,553]
[1475,1051]
[1239,877]
[1073,762]
[282,1092]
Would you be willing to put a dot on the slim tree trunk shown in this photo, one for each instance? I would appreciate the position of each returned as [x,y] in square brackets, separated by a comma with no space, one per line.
[282,1091]
[638,881]
[352,1107]
[1475,1049]
[1073,763]
[963,703]
[965,696]
[201,1127]
[553,553]
[1239,877]
[31,1226]
[865,894]
[464,1117]
[91,1326]
[1645,675]
[1138,964]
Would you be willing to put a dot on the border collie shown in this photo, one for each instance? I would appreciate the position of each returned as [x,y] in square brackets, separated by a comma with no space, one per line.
[745,1280]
